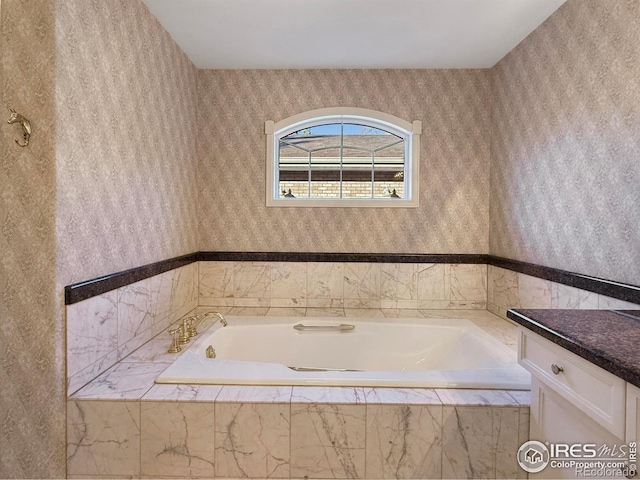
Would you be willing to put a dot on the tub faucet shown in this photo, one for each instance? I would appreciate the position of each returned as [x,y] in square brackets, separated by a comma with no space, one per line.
[195,321]
[222,319]
[187,329]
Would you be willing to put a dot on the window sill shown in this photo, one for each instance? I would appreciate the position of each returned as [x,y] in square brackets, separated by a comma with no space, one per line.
[345,203]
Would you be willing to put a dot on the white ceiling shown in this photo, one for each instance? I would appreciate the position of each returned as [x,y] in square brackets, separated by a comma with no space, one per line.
[222,34]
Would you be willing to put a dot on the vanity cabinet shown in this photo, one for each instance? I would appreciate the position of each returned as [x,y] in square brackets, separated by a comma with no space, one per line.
[633,413]
[572,400]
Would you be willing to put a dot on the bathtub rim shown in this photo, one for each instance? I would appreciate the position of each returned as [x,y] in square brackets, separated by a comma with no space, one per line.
[239,372]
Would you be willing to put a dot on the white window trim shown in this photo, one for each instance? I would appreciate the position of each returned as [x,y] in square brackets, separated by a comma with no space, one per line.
[411,131]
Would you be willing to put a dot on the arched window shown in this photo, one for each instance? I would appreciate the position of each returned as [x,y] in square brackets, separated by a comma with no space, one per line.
[343,157]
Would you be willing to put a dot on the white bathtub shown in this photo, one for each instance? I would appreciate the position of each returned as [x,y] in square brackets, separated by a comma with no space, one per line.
[375,353]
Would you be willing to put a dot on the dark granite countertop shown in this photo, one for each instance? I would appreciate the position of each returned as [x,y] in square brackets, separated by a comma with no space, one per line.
[609,339]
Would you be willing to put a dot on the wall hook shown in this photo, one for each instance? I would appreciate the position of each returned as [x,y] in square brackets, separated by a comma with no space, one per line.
[24,123]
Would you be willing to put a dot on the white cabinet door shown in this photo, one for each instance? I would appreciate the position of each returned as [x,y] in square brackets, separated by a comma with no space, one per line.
[556,420]
[592,390]
[633,413]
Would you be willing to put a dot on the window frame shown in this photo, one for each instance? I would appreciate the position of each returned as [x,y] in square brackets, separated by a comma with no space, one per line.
[409,131]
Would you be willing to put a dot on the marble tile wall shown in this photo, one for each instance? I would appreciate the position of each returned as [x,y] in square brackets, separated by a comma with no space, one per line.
[177,431]
[343,285]
[291,432]
[508,289]
[105,329]
[176,437]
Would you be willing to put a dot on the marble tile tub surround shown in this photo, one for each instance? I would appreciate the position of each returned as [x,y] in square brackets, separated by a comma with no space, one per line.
[343,285]
[298,432]
[90,288]
[97,286]
[510,289]
[87,289]
[289,432]
[600,286]
[103,329]
[106,328]
[292,432]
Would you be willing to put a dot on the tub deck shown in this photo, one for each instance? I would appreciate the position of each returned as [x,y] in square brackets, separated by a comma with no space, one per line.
[135,375]
[122,424]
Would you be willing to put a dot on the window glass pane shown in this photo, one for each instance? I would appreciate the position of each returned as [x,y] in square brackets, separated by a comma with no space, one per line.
[294,183]
[388,184]
[356,184]
[291,155]
[327,130]
[325,173]
[325,184]
[355,159]
[356,173]
[389,171]
[370,138]
[316,137]
[293,167]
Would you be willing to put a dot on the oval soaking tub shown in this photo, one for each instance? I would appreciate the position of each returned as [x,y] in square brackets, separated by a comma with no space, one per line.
[421,352]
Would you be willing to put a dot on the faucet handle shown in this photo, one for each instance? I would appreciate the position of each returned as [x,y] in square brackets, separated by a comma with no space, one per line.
[184,332]
[175,346]
[191,326]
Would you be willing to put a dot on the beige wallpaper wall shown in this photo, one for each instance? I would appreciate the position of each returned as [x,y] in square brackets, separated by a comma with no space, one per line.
[126,160]
[108,183]
[565,166]
[32,428]
[454,185]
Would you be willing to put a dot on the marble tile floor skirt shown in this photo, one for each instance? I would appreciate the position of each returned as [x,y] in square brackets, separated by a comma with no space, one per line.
[187,431]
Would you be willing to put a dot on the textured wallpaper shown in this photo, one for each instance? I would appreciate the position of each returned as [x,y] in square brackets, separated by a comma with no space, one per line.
[107,183]
[565,173]
[32,396]
[454,185]
[126,133]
